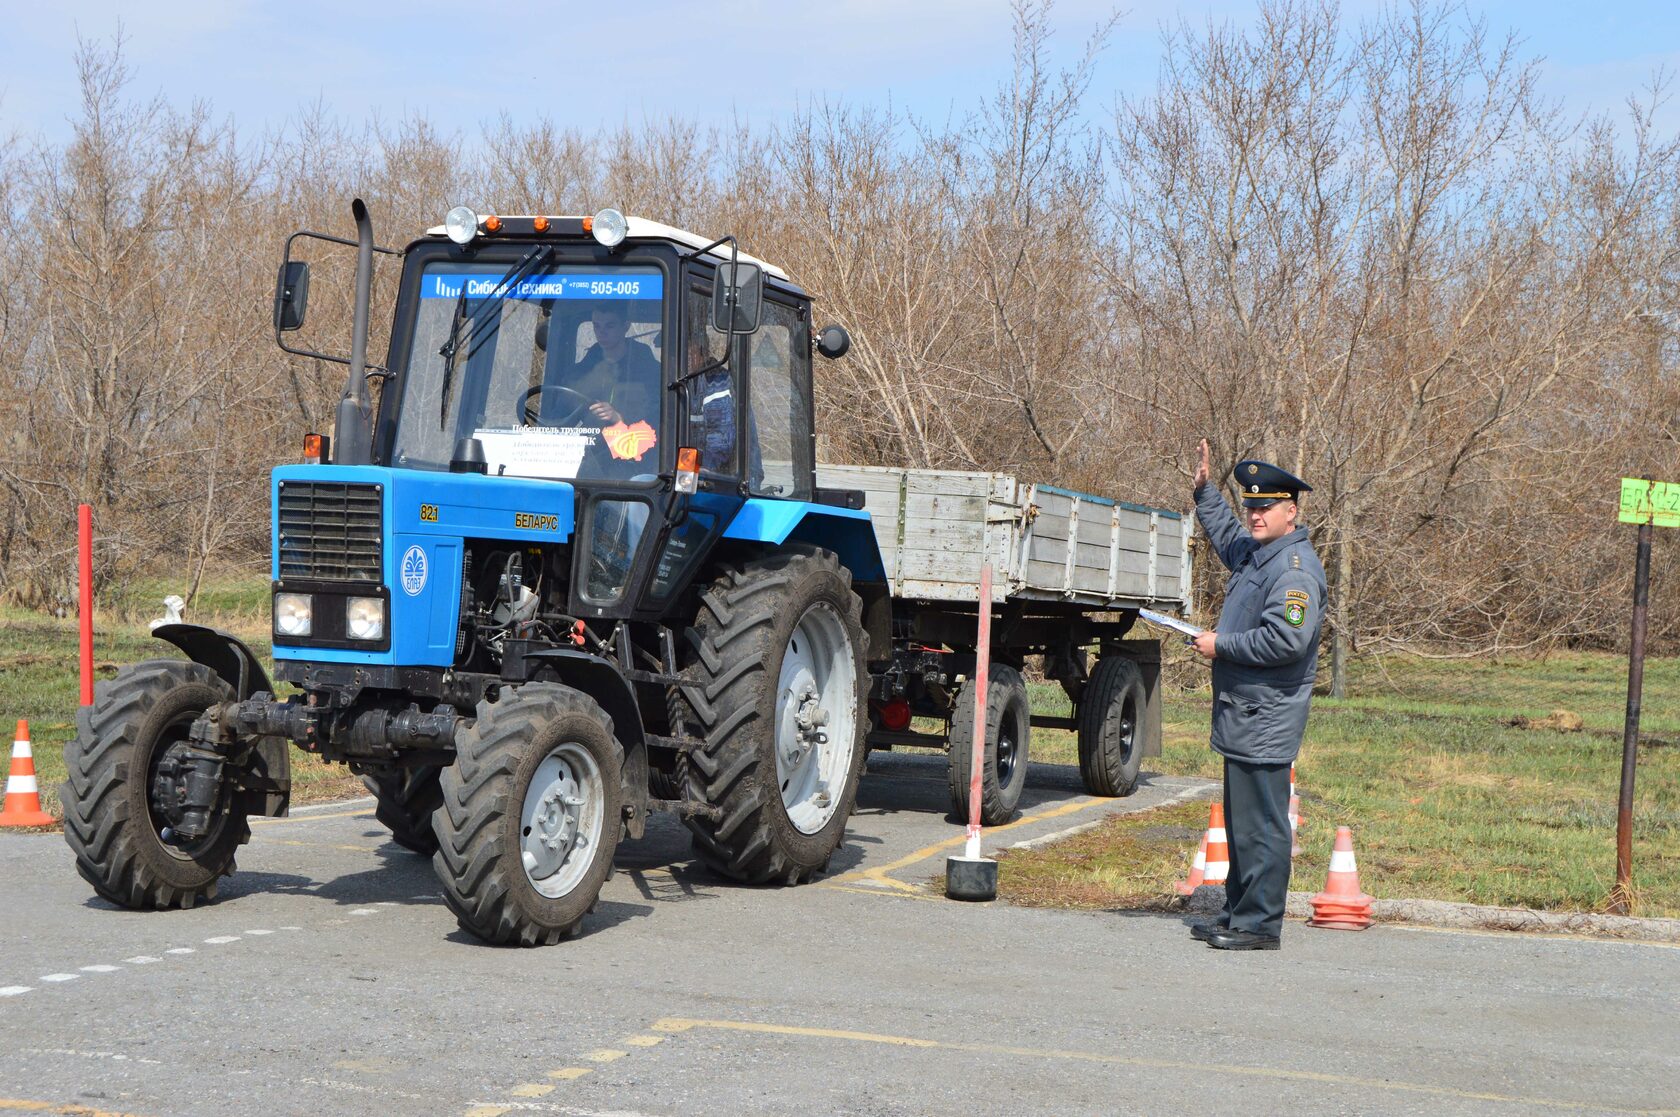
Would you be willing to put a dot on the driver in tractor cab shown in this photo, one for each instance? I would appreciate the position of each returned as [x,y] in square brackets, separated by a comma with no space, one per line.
[620,376]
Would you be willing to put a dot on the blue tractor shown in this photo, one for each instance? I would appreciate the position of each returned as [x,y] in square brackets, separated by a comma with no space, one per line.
[563,562]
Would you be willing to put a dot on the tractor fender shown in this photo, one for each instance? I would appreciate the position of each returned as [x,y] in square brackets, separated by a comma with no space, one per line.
[270,790]
[847,532]
[601,680]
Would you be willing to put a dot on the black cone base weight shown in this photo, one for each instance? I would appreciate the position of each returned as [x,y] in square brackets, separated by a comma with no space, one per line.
[971,878]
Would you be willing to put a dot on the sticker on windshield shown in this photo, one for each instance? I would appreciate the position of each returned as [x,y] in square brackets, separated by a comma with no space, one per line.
[552,452]
[555,285]
[412,570]
[629,443]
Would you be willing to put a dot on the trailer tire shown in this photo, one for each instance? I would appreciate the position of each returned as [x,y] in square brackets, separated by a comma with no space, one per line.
[405,800]
[1110,725]
[536,781]
[1008,734]
[767,632]
[109,822]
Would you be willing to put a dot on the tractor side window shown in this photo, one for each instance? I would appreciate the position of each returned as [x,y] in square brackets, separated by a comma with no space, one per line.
[711,395]
[779,392]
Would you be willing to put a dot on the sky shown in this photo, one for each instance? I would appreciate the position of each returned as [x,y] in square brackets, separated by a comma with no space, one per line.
[631,60]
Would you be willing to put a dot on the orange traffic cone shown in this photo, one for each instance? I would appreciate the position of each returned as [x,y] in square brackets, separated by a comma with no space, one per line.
[1198,870]
[1342,905]
[1219,849]
[23,800]
[1294,815]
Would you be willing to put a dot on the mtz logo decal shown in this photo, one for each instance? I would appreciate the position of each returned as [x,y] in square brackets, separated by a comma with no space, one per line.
[536,522]
[428,514]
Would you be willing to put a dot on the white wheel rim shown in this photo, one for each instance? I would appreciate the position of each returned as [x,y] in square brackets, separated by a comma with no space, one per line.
[560,822]
[816,719]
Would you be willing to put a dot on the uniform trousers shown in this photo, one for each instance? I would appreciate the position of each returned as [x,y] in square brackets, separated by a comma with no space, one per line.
[1257,828]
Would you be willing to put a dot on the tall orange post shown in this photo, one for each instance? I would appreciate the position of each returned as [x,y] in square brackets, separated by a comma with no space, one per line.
[982,672]
[84,541]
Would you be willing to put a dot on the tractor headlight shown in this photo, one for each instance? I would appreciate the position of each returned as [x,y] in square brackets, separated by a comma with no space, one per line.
[294,614]
[461,224]
[364,618]
[609,227]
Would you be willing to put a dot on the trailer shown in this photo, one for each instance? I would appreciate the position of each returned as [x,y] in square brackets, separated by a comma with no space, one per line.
[1070,571]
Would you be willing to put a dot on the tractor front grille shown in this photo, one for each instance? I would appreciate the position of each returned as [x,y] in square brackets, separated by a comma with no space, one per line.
[330,532]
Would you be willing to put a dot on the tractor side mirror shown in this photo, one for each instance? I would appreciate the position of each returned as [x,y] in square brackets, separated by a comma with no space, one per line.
[834,342]
[291,295]
[737,298]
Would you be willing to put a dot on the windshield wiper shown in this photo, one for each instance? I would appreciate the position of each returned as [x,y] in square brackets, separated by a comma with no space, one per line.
[459,338]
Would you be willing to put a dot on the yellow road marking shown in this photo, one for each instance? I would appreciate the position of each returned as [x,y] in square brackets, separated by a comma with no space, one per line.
[571,1072]
[642,1041]
[363,812]
[26,1106]
[489,1110]
[683,1024]
[605,1055]
[878,874]
[887,893]
[532,1090]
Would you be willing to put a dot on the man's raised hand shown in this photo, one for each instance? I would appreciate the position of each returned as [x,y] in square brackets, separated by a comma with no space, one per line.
[1201,467]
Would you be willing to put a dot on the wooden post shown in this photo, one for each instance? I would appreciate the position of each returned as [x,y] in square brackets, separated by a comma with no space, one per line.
[1621,900]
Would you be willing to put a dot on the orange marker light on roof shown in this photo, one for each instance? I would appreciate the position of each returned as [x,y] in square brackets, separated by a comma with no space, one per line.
[540,224]
[492,224]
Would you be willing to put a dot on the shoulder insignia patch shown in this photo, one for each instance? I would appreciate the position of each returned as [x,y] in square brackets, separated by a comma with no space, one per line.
[1295,604]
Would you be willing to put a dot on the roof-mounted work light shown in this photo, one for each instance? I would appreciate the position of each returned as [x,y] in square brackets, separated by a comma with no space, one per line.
[461,224]
[609,227]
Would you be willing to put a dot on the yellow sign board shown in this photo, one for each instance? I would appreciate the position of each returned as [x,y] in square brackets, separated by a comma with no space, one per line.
[1650,502]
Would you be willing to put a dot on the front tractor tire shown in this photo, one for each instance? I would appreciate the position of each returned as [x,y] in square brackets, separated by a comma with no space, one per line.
[777,686]
[110,820]
[531,815]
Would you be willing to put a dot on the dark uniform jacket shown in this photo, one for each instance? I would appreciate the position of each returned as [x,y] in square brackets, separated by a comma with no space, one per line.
[1267,653]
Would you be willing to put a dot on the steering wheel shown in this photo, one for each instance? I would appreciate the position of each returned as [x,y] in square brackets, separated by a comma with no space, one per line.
[530,414]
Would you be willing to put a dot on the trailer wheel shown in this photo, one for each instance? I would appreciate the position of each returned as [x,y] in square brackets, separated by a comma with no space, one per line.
[1008,728]
[110,821]
[406,798]
[1110,720]
[532,809]
[778,689]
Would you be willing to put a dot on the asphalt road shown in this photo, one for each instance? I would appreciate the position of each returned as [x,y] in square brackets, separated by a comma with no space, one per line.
[330,979]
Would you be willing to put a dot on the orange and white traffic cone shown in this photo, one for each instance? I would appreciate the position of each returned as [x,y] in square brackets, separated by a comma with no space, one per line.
[23,799]
[1218,847]
[1294,815]
[1198,870]
[1342,905]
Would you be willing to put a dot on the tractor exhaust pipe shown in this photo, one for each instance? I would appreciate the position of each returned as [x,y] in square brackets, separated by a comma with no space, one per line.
[353,427]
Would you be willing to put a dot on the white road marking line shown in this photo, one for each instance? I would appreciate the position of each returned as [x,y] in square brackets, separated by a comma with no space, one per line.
[259,931]
[385,904]
[218,940]
[142,960]
[365,911]
[291,928]
[60,976]
[180,950]
[13,990]
[114,1056]
[326,806]
[100,969]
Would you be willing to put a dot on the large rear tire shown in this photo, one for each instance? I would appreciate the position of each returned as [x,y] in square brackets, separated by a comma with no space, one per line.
[1008,732]
[406,799]
[110,823]
[531,815]
[778,689]
[1110,733]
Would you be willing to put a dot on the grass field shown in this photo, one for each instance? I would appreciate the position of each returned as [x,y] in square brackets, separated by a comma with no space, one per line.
[1447,798]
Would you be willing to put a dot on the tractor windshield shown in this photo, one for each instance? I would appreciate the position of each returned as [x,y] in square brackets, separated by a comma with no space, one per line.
[557,373]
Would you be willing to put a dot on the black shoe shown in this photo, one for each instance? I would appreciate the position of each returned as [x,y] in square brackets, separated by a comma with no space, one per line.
[1241,940]
[1202,931]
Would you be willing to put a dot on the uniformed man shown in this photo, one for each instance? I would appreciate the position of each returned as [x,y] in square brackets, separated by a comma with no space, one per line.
[1265,655]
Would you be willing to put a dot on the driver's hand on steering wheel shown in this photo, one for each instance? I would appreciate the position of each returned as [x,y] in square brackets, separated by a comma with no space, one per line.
[605,412]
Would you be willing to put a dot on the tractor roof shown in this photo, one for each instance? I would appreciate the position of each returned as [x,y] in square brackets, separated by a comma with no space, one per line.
[641,228]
